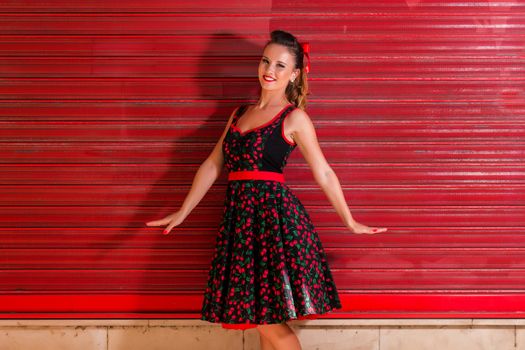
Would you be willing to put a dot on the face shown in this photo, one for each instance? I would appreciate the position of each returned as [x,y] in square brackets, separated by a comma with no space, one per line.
[277,63]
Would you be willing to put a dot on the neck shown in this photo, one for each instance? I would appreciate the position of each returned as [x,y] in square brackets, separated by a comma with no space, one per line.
[270,99]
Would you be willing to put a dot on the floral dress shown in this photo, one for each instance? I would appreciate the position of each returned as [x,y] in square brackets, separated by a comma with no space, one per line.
[269,265]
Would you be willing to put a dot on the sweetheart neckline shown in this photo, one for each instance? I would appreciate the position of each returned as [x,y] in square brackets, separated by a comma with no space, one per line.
[269,122]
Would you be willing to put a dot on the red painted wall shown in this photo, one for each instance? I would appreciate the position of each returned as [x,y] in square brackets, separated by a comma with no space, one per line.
[108,108]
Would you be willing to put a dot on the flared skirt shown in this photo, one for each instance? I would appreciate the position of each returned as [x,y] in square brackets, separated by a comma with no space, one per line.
[269,265]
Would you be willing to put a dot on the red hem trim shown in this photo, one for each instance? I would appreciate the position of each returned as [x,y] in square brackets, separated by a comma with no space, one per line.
[255,175]
[239,326]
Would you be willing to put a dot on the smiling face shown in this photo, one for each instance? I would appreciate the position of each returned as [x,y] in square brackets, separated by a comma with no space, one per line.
[277,65]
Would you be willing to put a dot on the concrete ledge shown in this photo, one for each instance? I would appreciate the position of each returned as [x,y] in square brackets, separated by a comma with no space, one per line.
[321,334]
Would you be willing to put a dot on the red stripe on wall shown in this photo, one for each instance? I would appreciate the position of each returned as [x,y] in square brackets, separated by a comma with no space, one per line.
[377,305]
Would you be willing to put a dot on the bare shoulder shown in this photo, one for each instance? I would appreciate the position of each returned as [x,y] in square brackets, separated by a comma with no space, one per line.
[298,120]
[298,114]
[303,131]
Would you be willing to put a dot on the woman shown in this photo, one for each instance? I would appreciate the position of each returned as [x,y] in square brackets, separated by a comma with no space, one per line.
[269,265]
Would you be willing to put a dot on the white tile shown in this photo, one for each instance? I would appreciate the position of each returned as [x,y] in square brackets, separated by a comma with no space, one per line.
[52,338]
[75,322]
[499,322]
[173,338]
[335,322]
[447,338]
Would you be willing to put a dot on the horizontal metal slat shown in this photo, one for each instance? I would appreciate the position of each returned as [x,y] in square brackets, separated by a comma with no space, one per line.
[449,91]
[359,194]
[417,68]
[349,174]
[158,257]
[205,23]
[153,280]
[363,45]
[389,216]
[205,237]
[337,130]
[72,152]
[491,109]
[455,8]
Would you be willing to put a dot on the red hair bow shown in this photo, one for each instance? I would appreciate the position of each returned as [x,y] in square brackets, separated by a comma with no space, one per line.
[306,49]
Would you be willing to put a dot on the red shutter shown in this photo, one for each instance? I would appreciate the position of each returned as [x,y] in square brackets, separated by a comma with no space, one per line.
[108,108]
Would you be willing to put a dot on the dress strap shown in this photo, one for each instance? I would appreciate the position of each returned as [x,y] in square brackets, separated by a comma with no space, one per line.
[240,111]
[287,111]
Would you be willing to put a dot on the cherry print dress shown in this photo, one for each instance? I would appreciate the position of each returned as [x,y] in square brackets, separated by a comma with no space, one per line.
[269,265]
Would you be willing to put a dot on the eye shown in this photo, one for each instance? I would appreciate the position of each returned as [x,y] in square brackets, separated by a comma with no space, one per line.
[266,61]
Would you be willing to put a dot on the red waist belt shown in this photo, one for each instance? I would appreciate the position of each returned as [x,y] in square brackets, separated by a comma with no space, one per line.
[255,175]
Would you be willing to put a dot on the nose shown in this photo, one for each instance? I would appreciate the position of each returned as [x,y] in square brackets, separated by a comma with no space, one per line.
[268,72]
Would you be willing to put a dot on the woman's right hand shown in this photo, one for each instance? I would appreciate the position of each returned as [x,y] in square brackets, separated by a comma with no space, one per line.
[356,227]
[171,220]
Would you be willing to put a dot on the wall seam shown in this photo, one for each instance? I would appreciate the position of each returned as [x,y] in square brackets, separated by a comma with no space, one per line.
[379,337]
[515,336]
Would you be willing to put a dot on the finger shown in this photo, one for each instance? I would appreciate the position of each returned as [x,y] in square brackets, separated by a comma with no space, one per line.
[157,222]
[167,230]
[377,230]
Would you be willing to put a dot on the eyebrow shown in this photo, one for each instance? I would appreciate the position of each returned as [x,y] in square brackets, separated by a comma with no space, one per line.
[277,61]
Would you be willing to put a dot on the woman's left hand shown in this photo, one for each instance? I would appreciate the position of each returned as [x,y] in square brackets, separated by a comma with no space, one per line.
[356,227]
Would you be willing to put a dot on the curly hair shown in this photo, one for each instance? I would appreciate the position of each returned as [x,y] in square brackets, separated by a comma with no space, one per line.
[297,90]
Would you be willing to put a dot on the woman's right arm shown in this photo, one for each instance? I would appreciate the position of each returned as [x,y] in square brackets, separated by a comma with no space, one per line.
[207,174]
[204,178]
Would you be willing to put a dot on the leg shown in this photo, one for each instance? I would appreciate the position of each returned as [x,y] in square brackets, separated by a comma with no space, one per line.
[265,343]
[280,336]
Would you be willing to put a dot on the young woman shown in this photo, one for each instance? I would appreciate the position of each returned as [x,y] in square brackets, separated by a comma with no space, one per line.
[269,265]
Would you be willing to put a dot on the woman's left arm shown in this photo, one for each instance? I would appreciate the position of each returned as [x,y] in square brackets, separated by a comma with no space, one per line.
[303,133]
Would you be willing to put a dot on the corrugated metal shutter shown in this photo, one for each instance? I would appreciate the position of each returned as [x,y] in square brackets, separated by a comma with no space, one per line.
[107,109]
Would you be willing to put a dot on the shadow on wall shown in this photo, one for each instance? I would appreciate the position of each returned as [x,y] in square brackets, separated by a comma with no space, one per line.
[156,265]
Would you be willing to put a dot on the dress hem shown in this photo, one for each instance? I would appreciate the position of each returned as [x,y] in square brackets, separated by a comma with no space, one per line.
[244,326]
